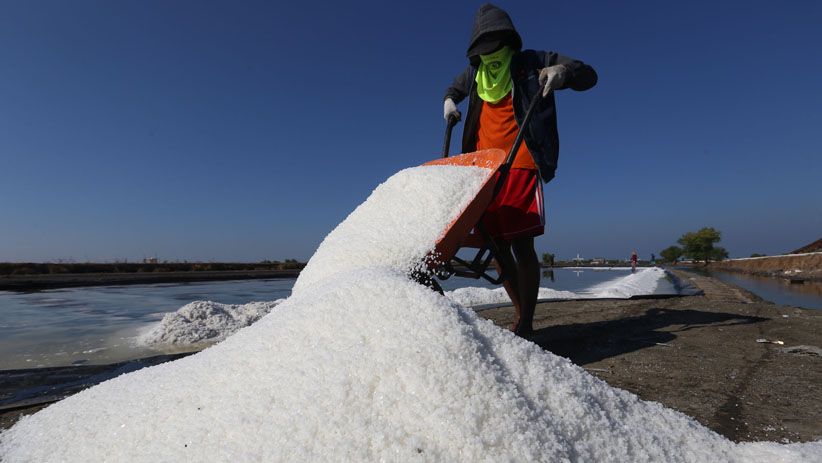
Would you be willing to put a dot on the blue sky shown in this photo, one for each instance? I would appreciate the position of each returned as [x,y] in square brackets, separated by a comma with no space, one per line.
[242,131]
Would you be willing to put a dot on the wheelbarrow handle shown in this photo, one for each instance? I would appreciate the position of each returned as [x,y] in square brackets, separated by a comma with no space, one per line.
[509,160]
[449,126]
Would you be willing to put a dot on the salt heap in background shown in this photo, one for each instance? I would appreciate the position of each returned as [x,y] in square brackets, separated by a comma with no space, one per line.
[204,322]
[363,365]
[643,282]
[471,296]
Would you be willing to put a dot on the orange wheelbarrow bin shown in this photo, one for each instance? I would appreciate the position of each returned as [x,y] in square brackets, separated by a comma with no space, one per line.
[467,230]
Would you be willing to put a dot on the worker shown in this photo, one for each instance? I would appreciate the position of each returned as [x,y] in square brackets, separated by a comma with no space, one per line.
[500,82]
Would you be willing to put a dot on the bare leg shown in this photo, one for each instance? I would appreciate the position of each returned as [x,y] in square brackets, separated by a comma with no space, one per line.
[511,282]
[527,283]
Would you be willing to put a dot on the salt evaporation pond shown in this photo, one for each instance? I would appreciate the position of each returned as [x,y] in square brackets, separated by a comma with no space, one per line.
[362,364]
[98,324]
[807,294]
[208,321]
[107,324]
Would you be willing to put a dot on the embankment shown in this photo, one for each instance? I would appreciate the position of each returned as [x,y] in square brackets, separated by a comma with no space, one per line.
[806,266]
[39,282]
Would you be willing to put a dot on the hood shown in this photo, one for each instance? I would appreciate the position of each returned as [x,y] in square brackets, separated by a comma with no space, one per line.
[492,29]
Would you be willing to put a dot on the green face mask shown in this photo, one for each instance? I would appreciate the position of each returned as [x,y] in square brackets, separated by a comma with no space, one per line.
[494,75]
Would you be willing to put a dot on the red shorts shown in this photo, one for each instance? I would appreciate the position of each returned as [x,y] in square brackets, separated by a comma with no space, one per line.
[518,210]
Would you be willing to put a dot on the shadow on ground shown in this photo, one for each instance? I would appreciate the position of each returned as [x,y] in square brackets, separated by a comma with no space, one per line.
[585,343]
[24,388]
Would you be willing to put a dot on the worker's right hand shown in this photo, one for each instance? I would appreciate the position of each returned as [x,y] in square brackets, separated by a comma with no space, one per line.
[449,110]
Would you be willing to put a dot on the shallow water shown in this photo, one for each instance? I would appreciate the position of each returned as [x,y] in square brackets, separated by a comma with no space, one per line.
[96,325]
[807,295]
[75,326]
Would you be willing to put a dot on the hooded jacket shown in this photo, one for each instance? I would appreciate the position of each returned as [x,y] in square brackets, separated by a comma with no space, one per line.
[493,25]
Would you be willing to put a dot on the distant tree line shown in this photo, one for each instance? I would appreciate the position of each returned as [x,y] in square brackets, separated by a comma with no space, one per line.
[699,246]
[121,267]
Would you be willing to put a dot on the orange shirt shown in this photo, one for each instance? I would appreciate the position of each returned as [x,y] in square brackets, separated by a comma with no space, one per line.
[498,129]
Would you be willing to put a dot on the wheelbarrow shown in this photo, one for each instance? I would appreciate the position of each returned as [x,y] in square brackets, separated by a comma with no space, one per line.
[467,230]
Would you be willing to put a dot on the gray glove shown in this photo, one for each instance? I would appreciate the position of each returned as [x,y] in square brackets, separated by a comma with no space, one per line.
[552,78]
[449,110]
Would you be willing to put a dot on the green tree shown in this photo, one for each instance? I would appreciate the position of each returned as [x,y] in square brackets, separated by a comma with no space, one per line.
[718,253]
[699,245]
[671,254]
[548,259]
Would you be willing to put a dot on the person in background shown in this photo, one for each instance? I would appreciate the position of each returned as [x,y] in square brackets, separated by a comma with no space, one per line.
[634,258]
[500,82]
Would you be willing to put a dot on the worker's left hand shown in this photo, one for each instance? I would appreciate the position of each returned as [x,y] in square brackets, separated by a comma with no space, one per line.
[552,78]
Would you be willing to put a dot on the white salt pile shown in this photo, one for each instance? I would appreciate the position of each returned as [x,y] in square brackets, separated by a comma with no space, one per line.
[363,365]
[204,322]
[643,282]
[398,225]
[472,296]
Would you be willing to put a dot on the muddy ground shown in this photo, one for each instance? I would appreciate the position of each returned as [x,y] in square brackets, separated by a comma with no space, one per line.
[696,354]
[699,355]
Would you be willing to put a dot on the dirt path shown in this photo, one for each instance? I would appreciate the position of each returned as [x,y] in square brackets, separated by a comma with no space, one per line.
[795,267]
[699,355]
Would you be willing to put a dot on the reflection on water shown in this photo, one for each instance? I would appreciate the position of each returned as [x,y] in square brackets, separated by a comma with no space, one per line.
[781,291]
